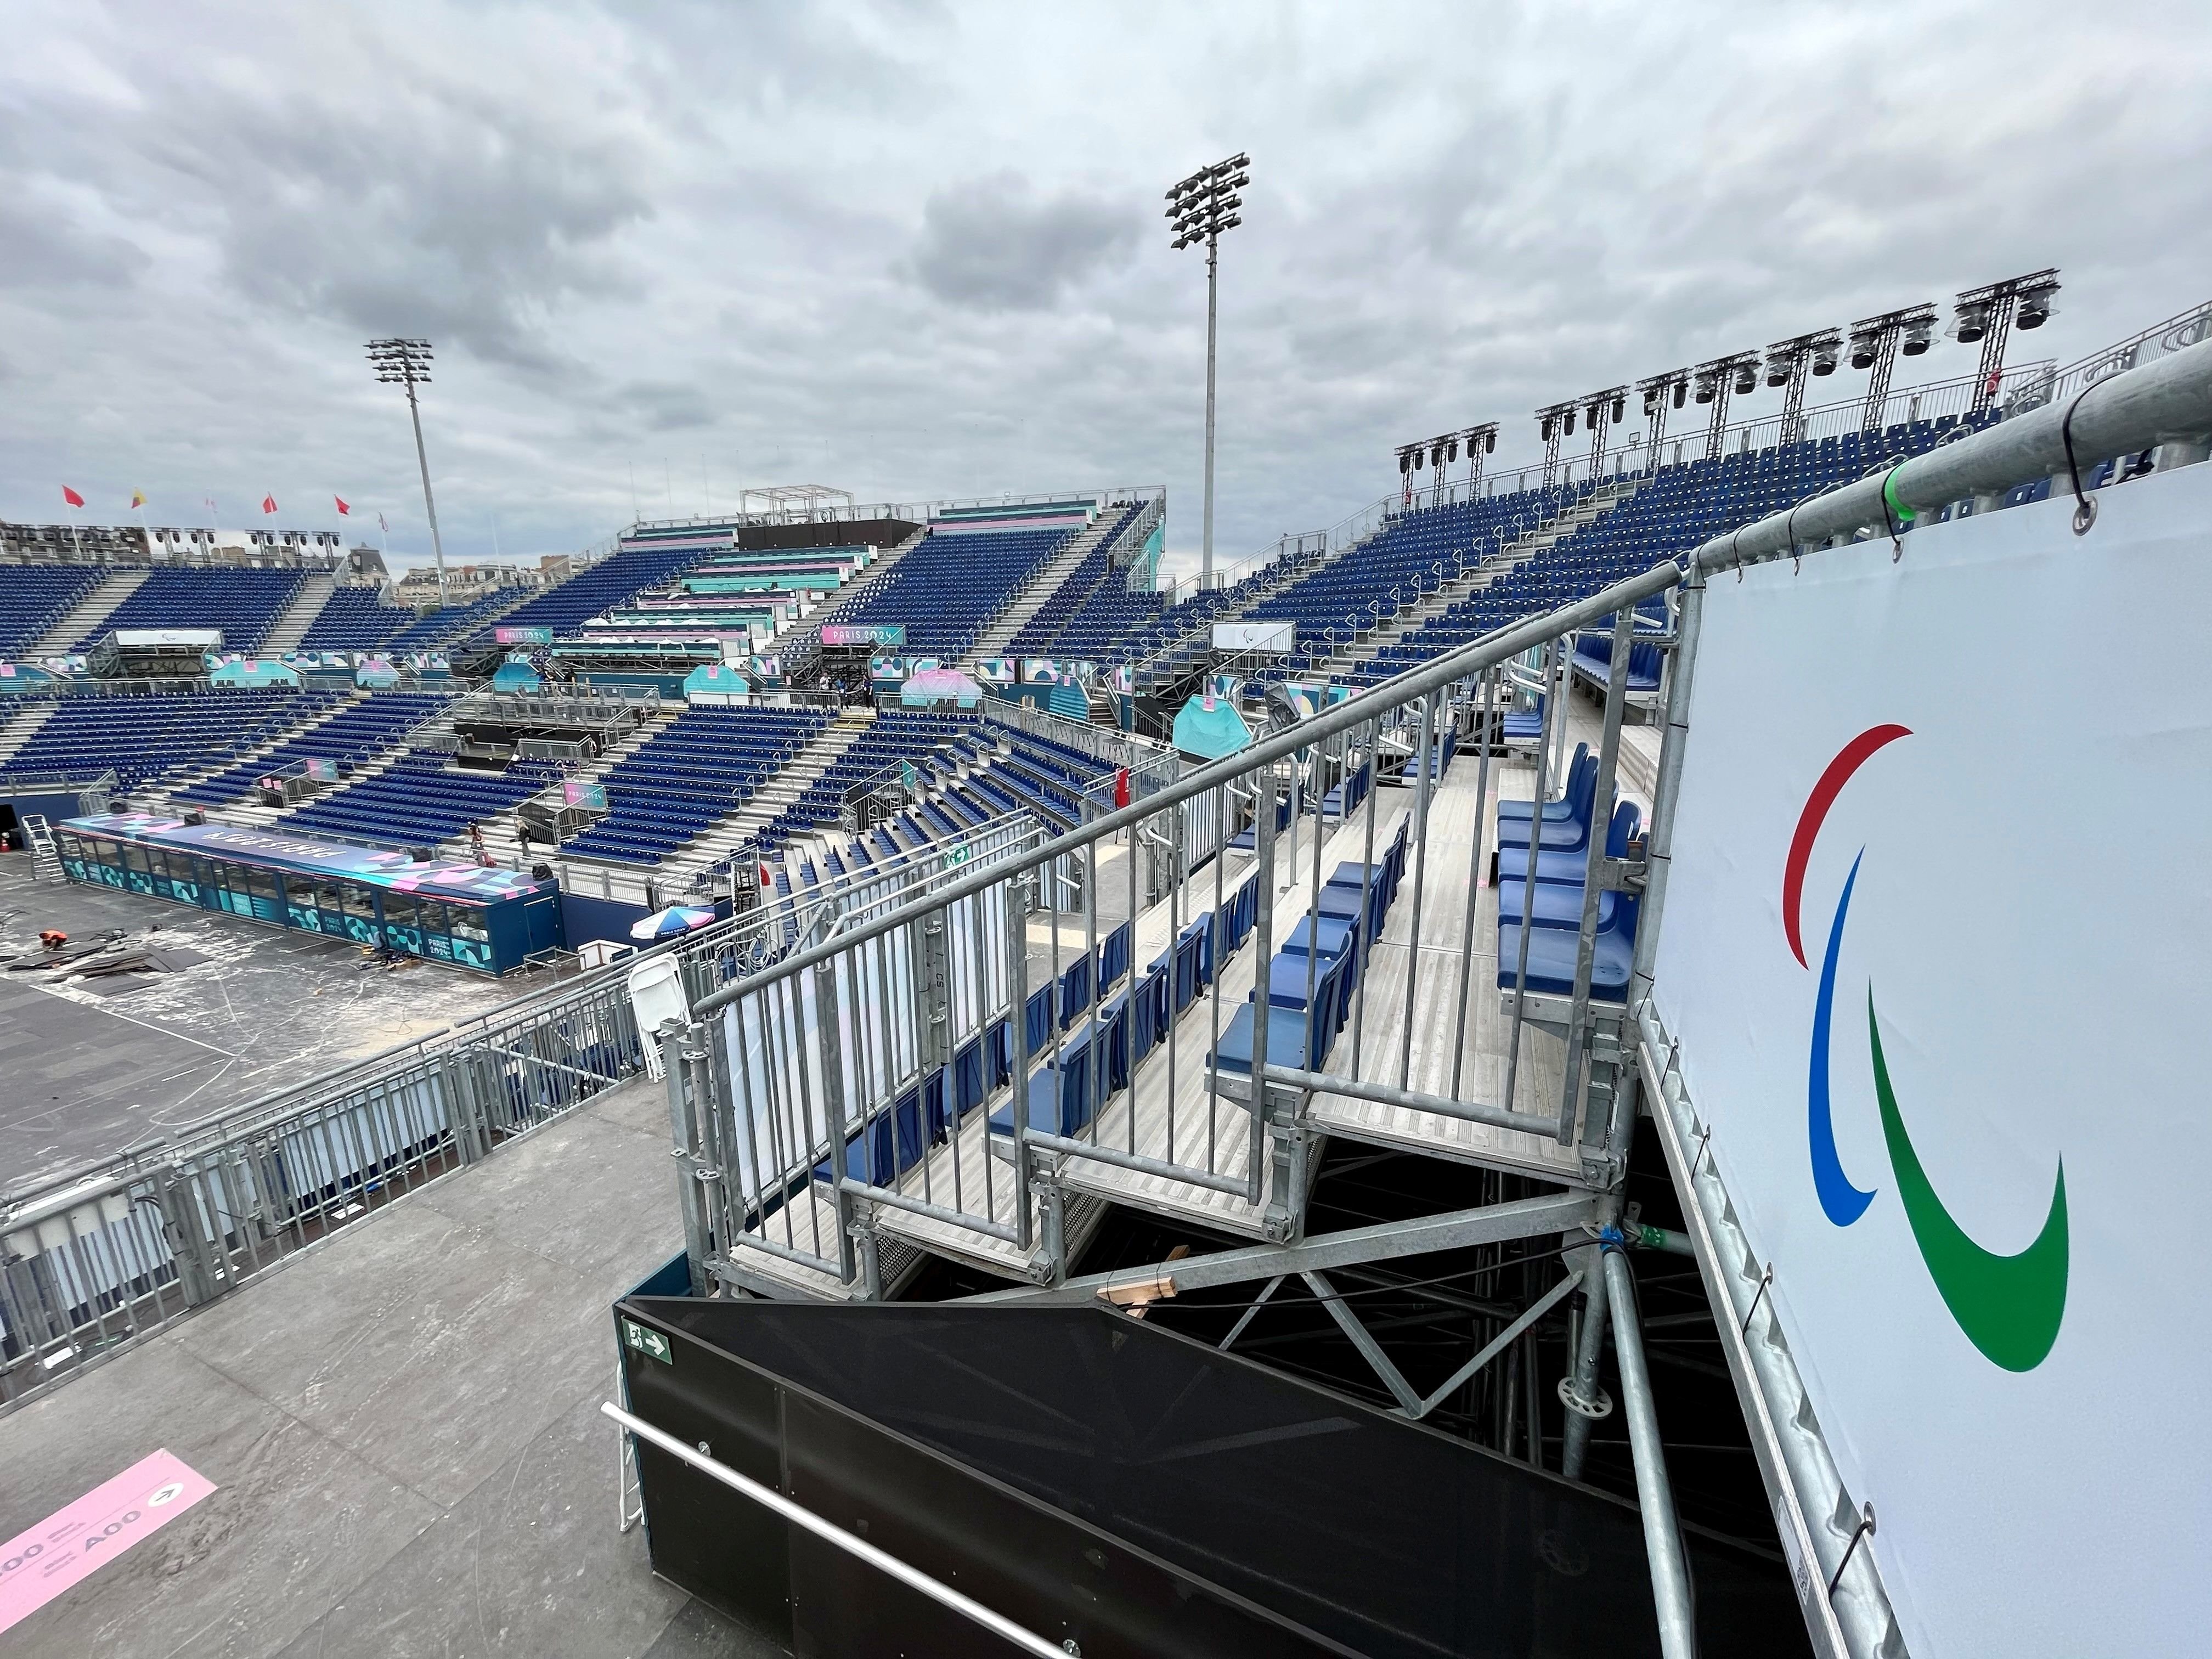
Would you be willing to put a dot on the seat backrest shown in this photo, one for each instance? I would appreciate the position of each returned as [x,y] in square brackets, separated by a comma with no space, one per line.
[1627,819]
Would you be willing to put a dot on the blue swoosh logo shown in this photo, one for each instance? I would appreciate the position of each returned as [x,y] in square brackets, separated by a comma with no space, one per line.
[1840,1201]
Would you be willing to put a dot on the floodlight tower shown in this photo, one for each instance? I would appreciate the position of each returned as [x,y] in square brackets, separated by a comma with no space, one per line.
[1876,344]
[1658,392]
[407,362]
[1554,421]
[1713,381]
[1480,440]
[1787,362]
[1409,456]
[1988,313]
[1442,451]
[1203,206]
[1602,410]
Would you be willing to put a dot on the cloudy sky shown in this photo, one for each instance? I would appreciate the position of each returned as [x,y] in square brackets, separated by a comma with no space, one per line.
[917,249]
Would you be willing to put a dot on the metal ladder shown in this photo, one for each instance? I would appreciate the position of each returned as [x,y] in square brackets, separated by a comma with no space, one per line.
[45,858]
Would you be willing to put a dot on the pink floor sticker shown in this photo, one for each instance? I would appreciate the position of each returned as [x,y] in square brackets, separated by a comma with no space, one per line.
[78,1539]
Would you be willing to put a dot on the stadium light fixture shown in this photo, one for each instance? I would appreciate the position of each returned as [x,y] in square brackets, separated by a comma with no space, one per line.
[407,362]
[1715,379]
[1660,392]
[1787,364]
[1876,343]
[1554,421]
[1987,315]
[1203,207]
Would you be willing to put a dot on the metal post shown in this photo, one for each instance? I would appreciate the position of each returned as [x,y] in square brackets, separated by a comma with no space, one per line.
[1662,1537]
[1212,271]
[1600,828]
[674,1073]
[1659,838]
[1579,1390]
[429,503]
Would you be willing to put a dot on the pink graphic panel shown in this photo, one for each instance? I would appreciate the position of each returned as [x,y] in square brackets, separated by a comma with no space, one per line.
[78,1539]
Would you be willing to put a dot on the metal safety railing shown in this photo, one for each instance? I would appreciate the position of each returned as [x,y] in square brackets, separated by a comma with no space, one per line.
[95,1257]
[1375,953]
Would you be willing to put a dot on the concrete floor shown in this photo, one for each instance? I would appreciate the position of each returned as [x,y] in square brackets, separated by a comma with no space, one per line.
[89,1066]
[403,1427]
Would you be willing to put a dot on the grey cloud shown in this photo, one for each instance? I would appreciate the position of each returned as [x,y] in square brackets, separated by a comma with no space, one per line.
[39,248]
[994,244]
[738,245]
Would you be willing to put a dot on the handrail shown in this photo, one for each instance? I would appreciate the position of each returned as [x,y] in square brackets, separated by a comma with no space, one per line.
[2167,399]
[776,1503]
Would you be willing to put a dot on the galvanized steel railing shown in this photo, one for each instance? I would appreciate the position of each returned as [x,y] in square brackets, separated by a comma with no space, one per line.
[95,1257]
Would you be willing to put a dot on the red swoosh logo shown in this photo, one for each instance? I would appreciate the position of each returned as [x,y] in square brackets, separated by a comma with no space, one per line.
[1852,756]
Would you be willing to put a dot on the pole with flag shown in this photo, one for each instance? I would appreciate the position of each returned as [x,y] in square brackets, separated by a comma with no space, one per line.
[74,501]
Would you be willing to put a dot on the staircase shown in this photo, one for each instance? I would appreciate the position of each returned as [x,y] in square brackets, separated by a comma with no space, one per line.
[500,838]
[788,784]
[1042,586]
[91,610]
[23,725]
[288,629]
[161,791]
[840,601]
[1168,663]
[1588,510]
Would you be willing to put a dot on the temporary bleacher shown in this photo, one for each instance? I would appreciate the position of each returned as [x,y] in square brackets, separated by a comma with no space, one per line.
[898,734]
[356,618]
[142,736]
[423,798]
[642,559]
[352,736]
[244,605]
[947,589]
[1411,557]
[34,596]
[1676,508]
[1090,580]
[454,622]
[700,769]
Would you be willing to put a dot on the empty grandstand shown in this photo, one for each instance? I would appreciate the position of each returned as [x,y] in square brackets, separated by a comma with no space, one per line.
[140,738]
[357,618]
[690,775]
[35,597]
[243,604]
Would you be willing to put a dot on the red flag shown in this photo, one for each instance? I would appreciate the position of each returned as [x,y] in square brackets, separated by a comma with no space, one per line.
[71,496]
[343,508]
[268,503]
[1122,788]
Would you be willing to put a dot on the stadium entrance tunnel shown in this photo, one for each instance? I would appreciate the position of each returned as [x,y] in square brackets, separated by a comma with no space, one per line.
[1121,1490]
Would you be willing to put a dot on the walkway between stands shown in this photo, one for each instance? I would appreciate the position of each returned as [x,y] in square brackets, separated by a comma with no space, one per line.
[402,1428]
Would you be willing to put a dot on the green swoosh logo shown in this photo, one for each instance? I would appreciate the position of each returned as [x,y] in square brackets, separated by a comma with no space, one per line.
[2009,1306]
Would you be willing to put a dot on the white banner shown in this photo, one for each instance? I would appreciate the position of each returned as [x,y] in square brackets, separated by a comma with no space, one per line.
[1937,948]
[1278,636]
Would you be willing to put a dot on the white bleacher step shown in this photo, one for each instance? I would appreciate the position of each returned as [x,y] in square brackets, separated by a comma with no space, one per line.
[1040,588]
[289,629]
[164,788]
[1513,555]
[94,609]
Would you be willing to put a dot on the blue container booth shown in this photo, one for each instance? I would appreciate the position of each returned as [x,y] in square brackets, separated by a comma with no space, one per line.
[439,909]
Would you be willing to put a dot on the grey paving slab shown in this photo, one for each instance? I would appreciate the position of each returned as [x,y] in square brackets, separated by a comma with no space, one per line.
[631,1218]
[517,1569]
[467,1349]
[293,1520]
[402,1426]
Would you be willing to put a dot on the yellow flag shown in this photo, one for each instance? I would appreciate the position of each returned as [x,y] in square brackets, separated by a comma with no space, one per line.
[138,499]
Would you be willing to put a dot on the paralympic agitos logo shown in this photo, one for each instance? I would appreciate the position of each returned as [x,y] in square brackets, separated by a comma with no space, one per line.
[2008,1306]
